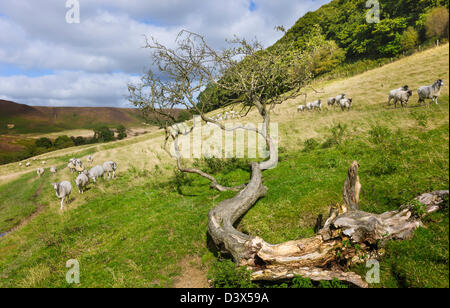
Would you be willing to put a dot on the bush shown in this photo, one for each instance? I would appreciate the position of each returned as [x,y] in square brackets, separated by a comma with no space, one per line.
[225,274]
[338,134]
[63,142]
[103,134]
[409,39]
[44,143]
[121,132]
[310,144]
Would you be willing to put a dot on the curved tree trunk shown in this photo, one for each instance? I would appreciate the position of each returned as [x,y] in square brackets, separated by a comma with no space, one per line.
[324,256]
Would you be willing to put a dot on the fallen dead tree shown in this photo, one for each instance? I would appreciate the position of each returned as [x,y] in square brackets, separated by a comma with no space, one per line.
[324,256]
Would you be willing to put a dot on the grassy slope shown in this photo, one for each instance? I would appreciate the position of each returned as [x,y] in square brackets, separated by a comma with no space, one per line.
[135,230]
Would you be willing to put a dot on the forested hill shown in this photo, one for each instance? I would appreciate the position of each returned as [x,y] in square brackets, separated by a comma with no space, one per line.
[403,24]
[354,42]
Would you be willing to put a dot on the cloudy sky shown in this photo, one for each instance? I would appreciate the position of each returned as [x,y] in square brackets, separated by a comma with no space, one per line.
[48,62]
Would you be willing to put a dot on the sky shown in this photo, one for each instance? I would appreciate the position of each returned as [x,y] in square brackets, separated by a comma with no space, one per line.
[46,61]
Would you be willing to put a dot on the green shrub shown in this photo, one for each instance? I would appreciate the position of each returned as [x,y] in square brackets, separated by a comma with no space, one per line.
[310,144]
[225,274]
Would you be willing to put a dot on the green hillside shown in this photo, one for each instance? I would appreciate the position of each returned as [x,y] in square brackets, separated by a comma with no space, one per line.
[148,227]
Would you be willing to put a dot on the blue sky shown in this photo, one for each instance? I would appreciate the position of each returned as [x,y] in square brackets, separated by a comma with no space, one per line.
[46,61]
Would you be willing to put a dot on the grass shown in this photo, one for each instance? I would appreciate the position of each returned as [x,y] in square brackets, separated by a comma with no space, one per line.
[135,230]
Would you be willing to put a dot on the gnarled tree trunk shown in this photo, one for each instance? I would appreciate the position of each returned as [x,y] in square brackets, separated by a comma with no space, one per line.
[324,256]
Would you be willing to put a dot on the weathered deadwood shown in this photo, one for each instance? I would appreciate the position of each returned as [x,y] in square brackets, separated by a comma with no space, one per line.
[352,188]
[317,257]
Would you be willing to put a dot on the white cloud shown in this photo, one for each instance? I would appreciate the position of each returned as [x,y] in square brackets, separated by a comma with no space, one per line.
[35,36]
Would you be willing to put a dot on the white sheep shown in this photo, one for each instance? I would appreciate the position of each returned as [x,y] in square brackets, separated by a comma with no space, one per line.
[81,181]
[53,169]
[430,92]
[338,98]
[90,159]
[28,164]
[40,171]
[392,93]
[110,167]
[346,103]
[315,105]
[71,166]
[96,172]
[44,162]
[402,97]
[301,108]
[63,191]
[331,101]
[20,164]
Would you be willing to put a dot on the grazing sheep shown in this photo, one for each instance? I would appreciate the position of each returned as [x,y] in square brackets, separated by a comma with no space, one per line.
[28,164]
[53,169]
[392,93]
[109,167]
[71,167]
[44,162]
[96,172]
[339,97]
[301,108]
[430,92]
[81,181]
[90,159]
[346,103]
[20,164]
[40,171]
[79,168]
[63,191]
[315,105]
[331,101]
[403,97]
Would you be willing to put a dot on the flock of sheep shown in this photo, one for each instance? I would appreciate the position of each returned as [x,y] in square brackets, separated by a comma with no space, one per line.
[63,189]
[400,95]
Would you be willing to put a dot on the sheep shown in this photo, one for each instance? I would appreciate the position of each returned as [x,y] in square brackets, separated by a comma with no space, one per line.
[40,171]
[96,172]
[90,159]
[430,92]
[315,105]
[53,169]
[81,181]
[109,167]
[338,98]
[403,97]
[331,101]
[28,164]
[393,92]
[20,164]
[63,191]
[346,103]
[44,162]
[301,108]
[71,167]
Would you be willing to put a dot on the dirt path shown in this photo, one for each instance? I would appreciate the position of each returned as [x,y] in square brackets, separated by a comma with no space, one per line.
[192,274]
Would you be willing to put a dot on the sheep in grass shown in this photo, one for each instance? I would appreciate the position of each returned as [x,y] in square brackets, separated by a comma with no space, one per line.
[314,105]
[40,171]
[392,93]
[338,98]
[90,159]
[331,101]
[301,108]
[430,92]
[81,181]
[28,164]
[96,172]
[346,103]
[20,164]
[53,169]
[71,166]
[402,97]
[44,162]
[110,167]
[63,191]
